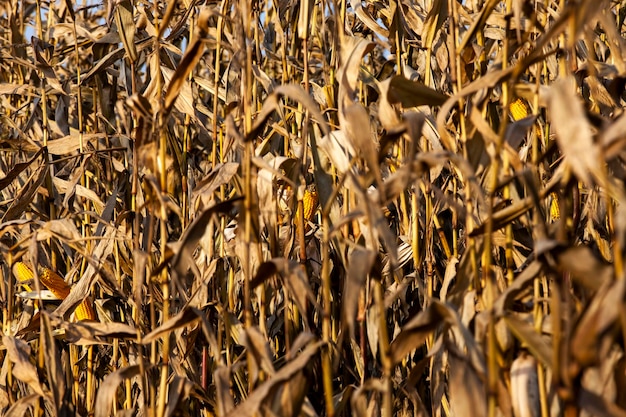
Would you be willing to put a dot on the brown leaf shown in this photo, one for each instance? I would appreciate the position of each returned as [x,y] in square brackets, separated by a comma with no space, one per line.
[194,232]
[85,333]
[80,291]
[19,354]
[178,391]
[295,93]
[360,262]
[252,404]
[598,406]
[17,170]
[184,318]
[530,339]
[467,389]
[415,332]
[107,391]
[27,192]
[54,366]
[190,60]
[126,27]
[413,94]
[20,407]
[597,319]
[573,132]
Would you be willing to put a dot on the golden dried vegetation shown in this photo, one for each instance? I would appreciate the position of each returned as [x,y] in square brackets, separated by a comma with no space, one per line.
[313,208]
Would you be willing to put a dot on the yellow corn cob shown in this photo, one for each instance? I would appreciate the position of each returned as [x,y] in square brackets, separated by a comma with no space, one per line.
[518,109]
[309,202]
[555,211]
[56,285]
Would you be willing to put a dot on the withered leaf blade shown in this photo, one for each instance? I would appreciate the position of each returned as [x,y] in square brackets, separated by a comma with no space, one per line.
[189,61]
[27,193]
[252,404]
[293,275]
[530,339]
[17,170]
[20,407]
[108,389]
[598,406]
[597,319]
[413,93]
[467,389]
[295,93]
[84,333]
[185,317]
[195,231]
[415,332]
[585,268]
[573,132]
[54,367]
[360,262]
[126,27]
[80,291]
[178,390]
[19,354]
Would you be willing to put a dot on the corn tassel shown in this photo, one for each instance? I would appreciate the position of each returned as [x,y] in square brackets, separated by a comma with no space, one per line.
[57,286]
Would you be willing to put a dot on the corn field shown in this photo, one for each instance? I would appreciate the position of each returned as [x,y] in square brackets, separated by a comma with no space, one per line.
[313,208]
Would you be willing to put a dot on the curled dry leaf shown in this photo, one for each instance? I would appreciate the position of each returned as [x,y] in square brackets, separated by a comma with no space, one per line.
[19,353]
[573,132]
[108,389]
[252,404]
[360,262]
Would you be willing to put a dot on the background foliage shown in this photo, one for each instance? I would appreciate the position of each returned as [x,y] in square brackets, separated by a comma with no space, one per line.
[465,257]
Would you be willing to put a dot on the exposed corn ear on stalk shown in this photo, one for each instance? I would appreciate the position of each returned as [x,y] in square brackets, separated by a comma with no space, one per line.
[57,286]
[309,203]
[518,109]
[555,211]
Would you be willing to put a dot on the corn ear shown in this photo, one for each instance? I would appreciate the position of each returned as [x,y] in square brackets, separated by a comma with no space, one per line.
[57,286]
[518,109]
[309,201]
[54,282]
[555,211]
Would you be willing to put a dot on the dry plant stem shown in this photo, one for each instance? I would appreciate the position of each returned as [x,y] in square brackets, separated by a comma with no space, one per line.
[327,369]
[387,410]
[49,174]
[246,84]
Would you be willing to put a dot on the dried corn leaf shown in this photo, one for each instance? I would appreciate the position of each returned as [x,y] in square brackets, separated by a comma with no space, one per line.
[530,339]
[126,27]
[190,60]
[596,321]
[413,94]
[252,404]
[107,392]
[573,132]
[360,263]
[467,389]
[19,354]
